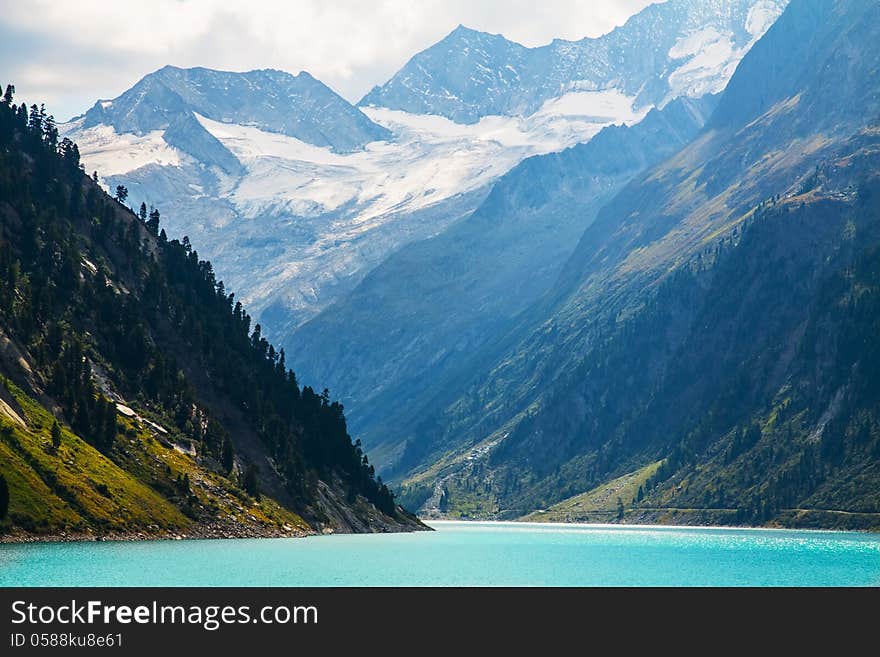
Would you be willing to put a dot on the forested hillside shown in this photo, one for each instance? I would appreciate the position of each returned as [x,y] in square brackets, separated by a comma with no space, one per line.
[751,374]
[136,396]
[717,318]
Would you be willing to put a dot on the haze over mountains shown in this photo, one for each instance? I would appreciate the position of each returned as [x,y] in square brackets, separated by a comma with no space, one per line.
[291,181]
[529,272]
[422,314]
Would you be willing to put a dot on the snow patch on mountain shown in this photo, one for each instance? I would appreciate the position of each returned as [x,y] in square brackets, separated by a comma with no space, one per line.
[761,17]
[710,59]
[578,115]
[589,104]
[113,154]
[709,56]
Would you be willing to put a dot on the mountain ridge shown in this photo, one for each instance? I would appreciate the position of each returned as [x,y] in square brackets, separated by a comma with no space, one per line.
[685,48]
[432,304]
[249,98]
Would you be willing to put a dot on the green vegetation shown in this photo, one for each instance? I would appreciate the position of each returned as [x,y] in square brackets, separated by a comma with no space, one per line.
[601,503]
[74,487]
[98,308]
[749,370]
[758,449]
[462,501]
[414,496]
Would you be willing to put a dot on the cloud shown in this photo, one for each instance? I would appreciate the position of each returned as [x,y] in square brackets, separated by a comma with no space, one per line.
[70,54]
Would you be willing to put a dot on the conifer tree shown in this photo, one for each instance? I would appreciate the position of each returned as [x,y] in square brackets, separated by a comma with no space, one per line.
[153,222]
[4,497]
[251,484]
[228,456]
[56,434]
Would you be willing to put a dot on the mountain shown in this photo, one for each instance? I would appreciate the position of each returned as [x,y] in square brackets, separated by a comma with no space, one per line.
[418,318]
[718,317]
[273,101]
[296,206]
[134,398]
[676,48]
[308,220]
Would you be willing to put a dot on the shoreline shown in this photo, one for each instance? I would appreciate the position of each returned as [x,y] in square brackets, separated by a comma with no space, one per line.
[211,532]
[643,526]
[21,538]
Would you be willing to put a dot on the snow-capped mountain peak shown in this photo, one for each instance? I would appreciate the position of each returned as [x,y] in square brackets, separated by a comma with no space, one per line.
[295,105]
[679,47]
[466,72]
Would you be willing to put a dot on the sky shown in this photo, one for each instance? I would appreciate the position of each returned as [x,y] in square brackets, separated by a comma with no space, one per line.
[70,54]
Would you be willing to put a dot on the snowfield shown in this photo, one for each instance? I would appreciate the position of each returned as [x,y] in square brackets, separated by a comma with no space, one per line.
[709,56]
[111,154]
[429,159]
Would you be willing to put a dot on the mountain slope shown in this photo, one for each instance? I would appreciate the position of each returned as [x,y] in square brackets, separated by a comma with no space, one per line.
[592,385]
[672,49]
[750,377]
[136,400]
[418,318]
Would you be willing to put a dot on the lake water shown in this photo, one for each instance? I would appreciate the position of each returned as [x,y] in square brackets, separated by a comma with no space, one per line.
[465,554]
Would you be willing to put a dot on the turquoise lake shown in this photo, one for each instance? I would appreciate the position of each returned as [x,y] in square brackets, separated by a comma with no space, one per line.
[465,554]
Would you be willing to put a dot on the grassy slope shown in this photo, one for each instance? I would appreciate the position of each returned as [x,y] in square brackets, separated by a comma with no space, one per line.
[598,504]
[77,490]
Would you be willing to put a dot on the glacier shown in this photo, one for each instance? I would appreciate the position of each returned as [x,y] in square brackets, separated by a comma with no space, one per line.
[340,213]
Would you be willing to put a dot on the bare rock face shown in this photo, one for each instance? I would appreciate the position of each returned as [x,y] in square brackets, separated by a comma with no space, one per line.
[339,515]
